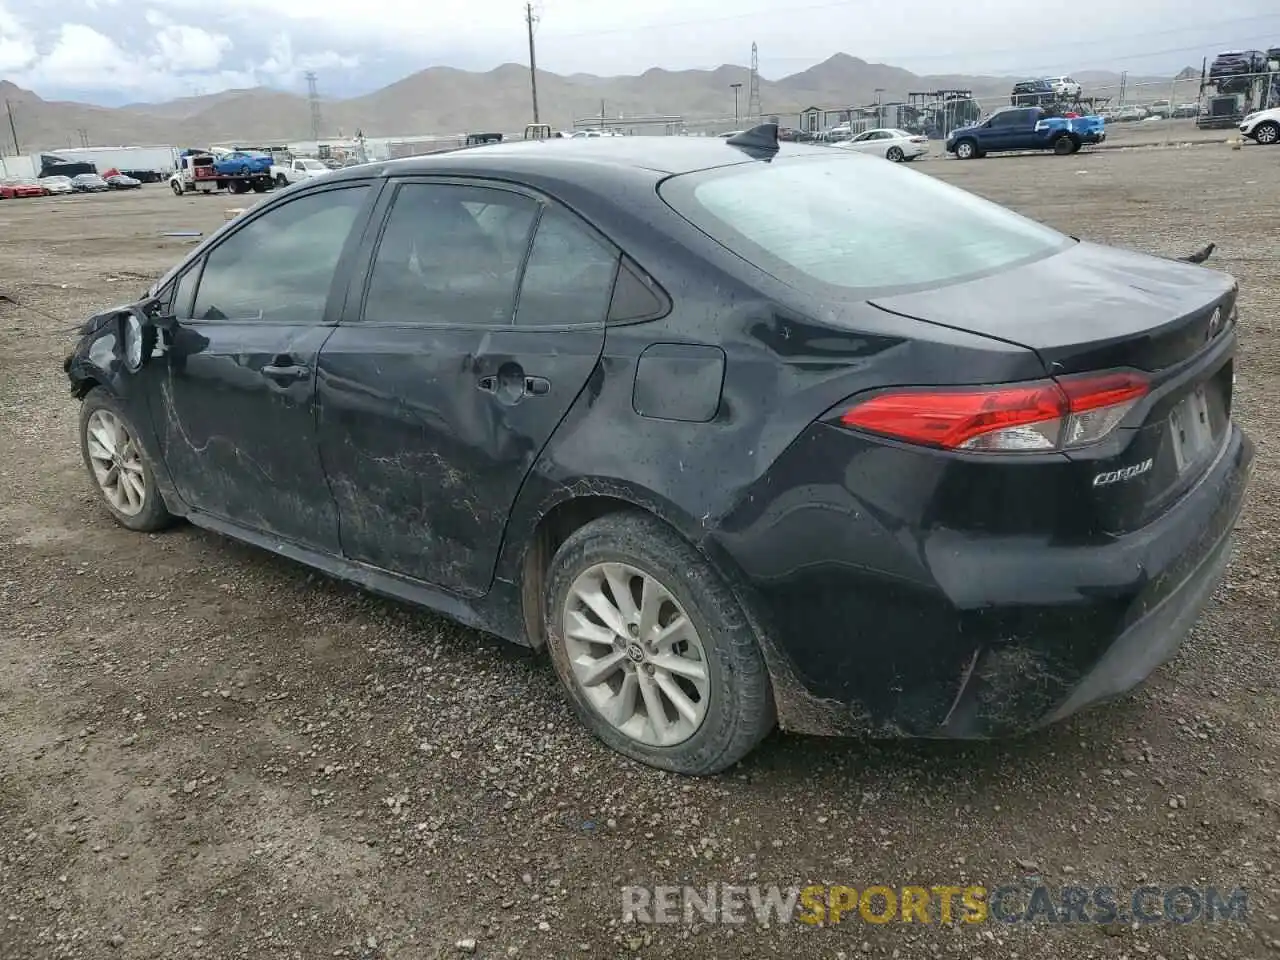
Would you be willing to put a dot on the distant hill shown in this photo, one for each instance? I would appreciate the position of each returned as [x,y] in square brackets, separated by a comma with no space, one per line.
[446,100]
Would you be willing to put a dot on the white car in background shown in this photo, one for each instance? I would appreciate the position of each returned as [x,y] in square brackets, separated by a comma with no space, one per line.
[1064,87]
[1263,126]
[57,185]
[888,142]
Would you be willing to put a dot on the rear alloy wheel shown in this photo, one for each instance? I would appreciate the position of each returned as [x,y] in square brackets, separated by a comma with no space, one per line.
[895,154]
[1267,132]
[653,649]
[109,445]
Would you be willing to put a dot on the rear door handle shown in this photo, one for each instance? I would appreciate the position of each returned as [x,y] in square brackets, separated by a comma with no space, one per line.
[291,371]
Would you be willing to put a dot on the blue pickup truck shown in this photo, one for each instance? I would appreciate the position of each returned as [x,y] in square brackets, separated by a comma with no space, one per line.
[1025,128]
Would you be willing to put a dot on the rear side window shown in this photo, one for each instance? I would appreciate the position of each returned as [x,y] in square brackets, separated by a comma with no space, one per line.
[856,225]
[569,276]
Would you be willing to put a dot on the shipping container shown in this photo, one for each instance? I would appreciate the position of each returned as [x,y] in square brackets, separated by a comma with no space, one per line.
[148,164]
[17,168]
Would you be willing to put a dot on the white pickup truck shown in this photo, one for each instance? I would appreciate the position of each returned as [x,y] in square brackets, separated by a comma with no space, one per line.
[299,168]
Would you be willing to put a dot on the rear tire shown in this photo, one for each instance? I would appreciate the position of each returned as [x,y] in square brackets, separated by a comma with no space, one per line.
[722,714]
[118,465]
[895,155]
[1064,146]
[281,181]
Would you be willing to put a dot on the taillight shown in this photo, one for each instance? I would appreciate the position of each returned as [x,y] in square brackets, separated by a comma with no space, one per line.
[1041,416]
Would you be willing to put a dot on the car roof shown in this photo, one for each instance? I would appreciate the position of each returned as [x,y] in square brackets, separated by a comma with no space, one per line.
[657,155]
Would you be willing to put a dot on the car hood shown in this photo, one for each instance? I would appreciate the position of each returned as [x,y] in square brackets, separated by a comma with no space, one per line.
[1089,307]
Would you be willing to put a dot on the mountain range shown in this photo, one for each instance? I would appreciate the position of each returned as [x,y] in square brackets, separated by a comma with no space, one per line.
[445,100]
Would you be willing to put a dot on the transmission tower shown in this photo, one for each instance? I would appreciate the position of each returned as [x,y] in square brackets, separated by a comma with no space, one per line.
[314,97]
[753,96]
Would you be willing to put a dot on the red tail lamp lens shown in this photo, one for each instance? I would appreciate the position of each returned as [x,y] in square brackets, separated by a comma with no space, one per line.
[1044,415]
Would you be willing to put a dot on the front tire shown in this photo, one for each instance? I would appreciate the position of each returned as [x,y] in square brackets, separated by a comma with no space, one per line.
[966,150]
[177,188]
[653,649]
[1267,133]
[118,466]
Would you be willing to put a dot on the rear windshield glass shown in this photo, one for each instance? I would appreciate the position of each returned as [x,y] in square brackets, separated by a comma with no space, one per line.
[856,223]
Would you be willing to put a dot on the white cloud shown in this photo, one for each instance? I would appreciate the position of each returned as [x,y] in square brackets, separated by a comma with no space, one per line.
[83,57]
[284,67]
[17,46]
[190,49]
[177,46]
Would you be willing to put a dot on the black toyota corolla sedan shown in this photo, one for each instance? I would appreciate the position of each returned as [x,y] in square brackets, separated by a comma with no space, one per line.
[741,434]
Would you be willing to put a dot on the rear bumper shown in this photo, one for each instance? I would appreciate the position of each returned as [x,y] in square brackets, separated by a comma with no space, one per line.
[875,630]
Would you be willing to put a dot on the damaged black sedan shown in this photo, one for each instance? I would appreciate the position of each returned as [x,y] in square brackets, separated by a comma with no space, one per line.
[741,433]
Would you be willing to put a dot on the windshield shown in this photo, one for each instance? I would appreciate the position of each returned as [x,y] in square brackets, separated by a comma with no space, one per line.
[313,165]
[854,223]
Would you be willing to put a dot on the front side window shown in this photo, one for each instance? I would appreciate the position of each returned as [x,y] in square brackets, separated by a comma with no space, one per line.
[856,226]
[279,266]
[450,254]
[569,276]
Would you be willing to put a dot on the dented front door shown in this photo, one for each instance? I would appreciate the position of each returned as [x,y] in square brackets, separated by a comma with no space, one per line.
[233,397]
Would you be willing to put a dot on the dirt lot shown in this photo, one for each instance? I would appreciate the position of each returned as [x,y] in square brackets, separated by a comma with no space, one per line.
[209,752]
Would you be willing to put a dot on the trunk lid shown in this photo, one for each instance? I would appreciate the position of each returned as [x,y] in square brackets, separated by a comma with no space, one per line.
[1087,308]
[1093,309]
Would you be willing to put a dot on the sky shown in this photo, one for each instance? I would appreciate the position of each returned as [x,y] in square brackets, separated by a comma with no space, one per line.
[113,52]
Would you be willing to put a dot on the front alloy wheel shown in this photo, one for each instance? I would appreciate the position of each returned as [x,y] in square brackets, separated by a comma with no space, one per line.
[117,465]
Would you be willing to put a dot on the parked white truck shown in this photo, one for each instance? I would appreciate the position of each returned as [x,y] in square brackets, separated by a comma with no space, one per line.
[295,170]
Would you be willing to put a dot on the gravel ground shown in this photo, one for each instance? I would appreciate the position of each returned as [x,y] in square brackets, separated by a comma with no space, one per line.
[206,751]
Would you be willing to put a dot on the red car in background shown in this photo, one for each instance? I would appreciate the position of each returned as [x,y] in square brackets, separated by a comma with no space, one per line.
[10,189]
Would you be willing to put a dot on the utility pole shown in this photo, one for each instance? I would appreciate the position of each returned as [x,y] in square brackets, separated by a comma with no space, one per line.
[1124,79]
[735,87]
[13,128]
[753,91]
[879,91]
[313,96]
[530,20]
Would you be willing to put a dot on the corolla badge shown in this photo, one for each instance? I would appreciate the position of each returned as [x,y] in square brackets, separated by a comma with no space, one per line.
[1124,473]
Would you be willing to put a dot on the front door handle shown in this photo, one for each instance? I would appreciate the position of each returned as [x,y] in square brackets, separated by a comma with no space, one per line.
[536,386]
[286,372]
